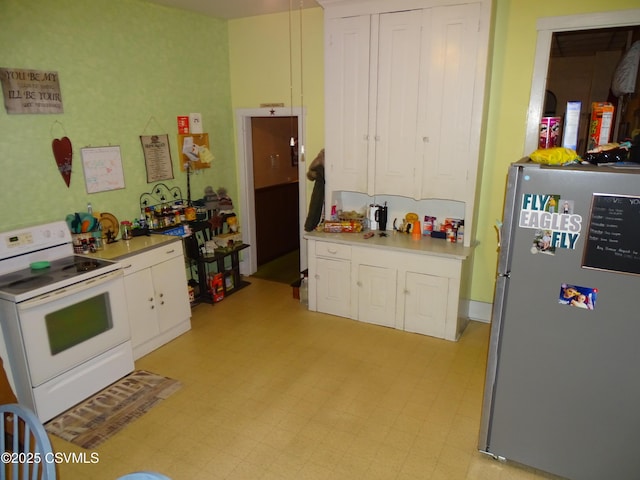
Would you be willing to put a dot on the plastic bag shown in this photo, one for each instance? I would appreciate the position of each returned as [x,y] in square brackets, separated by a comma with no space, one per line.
[555,156]
[608,153]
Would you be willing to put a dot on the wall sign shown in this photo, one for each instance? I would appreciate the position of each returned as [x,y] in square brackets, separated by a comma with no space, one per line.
[157,157]
[613,240]
[30,91]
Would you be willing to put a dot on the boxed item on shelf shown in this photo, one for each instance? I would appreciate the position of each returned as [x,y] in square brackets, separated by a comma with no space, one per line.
[600,124]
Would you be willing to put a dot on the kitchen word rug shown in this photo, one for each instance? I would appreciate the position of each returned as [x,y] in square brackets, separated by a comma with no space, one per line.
[93,421]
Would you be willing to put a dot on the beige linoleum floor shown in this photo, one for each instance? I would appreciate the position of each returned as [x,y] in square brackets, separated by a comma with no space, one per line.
[272,391]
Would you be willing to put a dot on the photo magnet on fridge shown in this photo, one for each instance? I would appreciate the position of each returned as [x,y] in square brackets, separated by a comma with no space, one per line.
[579,297]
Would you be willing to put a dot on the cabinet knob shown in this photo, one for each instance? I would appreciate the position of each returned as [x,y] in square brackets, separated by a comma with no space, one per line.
[406,292]
[359,283]
[377,138]
[316,276]
[151,299]
[332,250]
[425,139]
[161,295]
[152,307]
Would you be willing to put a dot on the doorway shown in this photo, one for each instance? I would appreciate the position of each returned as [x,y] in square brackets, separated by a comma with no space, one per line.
[547,28]
[260,127]
[275,184]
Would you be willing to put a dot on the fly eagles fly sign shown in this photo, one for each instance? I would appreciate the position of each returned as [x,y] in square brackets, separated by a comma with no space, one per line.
[30,91]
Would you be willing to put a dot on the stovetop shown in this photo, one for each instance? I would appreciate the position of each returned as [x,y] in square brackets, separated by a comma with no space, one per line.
[56,274]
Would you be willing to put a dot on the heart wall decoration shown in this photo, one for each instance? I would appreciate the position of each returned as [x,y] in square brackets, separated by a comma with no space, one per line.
[63,153]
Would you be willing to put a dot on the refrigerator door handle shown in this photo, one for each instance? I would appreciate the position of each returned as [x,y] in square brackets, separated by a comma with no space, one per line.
[499,228]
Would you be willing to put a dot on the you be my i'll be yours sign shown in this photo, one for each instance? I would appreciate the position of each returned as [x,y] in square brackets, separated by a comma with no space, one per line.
[30,91]
[37,91]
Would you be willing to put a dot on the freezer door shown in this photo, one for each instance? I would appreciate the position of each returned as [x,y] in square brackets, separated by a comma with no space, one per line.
[563,388]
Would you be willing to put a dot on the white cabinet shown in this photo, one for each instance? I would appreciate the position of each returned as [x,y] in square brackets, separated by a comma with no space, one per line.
[376,294]
[332,278]
[404,93]
[425,304]
[388,281]
[157,297]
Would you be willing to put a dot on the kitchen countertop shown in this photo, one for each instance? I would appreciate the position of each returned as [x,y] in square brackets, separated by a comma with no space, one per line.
[125,248]
[397,241]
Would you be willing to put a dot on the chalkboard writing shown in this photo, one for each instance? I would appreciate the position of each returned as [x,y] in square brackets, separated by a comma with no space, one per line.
[613,238]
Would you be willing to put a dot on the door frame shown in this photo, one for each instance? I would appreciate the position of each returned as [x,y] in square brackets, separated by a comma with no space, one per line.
[246,188]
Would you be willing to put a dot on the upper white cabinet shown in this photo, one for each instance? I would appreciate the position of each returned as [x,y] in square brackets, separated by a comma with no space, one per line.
[404,96]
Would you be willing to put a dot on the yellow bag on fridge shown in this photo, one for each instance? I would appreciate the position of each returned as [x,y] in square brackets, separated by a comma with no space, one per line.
[555,156]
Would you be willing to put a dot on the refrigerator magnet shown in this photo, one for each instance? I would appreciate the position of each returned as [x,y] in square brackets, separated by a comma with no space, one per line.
[576,296]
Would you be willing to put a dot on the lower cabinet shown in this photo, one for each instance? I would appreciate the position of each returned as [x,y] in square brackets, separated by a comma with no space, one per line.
[157,297]
[425,304]
[376,293]
[333,286]
[416,292]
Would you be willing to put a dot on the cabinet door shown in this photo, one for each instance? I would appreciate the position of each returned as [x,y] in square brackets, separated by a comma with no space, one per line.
[347,102]
[333,286]
[377,295]
[447,79]
[425,309]
[141,306]
[399,41]
[172,298]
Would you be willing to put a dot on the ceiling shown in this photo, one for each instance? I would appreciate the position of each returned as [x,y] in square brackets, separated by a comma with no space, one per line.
[582,43]
[229,9]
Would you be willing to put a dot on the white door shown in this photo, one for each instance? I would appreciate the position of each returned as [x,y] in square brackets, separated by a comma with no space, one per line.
[425,309]
[347,52]
[141,306]
[377,295]
[397,102]
[447,77]
[171,293]
[333,283]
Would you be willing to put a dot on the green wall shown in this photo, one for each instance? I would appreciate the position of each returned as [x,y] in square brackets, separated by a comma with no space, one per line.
[122,62]
[127,68]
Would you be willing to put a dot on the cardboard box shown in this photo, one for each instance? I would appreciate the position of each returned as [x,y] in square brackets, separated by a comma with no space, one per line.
[571,125]
[600,124]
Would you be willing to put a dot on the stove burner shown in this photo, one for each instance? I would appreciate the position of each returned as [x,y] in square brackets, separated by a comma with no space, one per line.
[84,264]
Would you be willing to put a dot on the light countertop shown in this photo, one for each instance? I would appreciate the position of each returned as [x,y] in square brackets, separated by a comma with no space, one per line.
[397,241]
[125,248]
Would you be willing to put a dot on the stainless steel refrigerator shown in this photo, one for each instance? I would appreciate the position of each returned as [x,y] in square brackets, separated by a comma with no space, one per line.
[562,390]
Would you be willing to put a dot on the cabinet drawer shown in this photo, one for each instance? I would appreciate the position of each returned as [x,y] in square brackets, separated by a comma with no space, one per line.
[149,258]
[333,250]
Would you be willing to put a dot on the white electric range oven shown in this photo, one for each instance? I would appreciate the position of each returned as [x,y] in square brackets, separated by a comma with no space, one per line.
[64,319]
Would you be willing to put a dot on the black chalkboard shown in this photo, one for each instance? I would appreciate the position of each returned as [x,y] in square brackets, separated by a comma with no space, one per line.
[613,237]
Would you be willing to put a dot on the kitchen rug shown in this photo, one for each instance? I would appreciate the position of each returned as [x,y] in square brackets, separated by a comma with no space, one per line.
[93,421]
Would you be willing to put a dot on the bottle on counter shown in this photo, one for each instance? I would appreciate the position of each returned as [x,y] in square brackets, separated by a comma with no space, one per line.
[461,232]
[125,230]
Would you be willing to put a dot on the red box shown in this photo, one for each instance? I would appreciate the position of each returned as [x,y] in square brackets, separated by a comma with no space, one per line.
[216,287]
[183,125]
[600,124]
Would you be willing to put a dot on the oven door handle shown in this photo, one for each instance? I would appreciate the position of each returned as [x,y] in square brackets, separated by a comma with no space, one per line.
[71,289]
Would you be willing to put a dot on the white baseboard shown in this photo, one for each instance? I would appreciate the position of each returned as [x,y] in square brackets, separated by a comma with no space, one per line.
[479,311]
